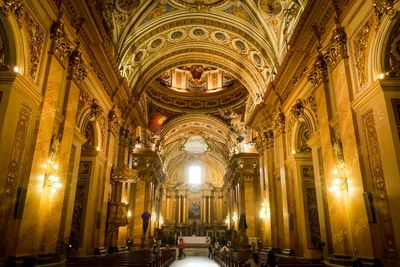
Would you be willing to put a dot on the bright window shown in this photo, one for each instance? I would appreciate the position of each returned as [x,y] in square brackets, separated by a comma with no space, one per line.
[194,175]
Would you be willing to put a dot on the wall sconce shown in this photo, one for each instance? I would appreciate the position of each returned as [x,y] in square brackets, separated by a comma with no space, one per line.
[129,214]
[240,164]
[339,183]
[51,180]
[264,211]
[148,163]
[135,163]
[254,165]
[226,221]
[234,216]
[138,145]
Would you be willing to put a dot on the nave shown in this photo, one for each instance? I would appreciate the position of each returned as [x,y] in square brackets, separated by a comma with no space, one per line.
[272,124]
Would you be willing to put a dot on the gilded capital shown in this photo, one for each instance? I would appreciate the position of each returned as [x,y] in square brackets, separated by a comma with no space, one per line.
[76,69]
[384,7]
[280,123]
[318,73]
[60,46]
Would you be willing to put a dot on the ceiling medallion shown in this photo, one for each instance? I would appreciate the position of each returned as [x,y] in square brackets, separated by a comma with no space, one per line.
[198,33]
[156,43]
[127,5]
[177,35]
[219,37]
[272,7]
[195,145]
[240,45]
[139,56]
[256,58]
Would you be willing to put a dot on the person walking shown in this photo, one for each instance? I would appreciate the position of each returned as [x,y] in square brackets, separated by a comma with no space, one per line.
[181,247]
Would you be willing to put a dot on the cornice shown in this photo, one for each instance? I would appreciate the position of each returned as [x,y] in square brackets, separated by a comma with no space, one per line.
[97,49]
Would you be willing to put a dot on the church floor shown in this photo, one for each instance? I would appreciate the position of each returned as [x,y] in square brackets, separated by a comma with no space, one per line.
[194,261]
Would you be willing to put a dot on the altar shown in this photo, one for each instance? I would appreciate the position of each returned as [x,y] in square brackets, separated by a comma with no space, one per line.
[195,241]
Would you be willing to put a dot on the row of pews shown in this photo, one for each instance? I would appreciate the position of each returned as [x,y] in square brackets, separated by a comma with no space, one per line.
[142,258]
[239,258]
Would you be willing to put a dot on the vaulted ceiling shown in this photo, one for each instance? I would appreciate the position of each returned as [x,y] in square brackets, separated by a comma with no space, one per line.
[200,64]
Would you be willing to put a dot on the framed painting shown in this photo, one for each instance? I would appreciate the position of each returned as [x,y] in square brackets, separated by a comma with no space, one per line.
[194,209]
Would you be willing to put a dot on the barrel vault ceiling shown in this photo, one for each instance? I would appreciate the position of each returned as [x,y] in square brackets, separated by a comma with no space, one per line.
[200,65]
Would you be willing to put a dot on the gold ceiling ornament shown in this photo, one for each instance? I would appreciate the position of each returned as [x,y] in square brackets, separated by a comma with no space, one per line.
[271,7]
[383,7]
[76,68]
[208,3]
[13,6]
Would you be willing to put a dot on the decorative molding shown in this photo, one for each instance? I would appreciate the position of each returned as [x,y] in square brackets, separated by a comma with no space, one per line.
[95,109]
[14,172]
[76,69]
[13,6]
[122,173]
[338,45]
[83,99]
[382,209]
[3,52]
[267,138]
[384,7]
[61,46]
[297,109]
[360,52]
[113,122]
[280,123]
[319,71]
[36,37]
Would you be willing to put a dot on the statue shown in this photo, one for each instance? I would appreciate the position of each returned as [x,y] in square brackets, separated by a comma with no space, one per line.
[146,217]
[235,122]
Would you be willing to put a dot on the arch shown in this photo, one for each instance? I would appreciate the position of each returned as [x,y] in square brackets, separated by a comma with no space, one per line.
[15,40]
[86,117]
[216,138]
[307,119]
[161,62]
[378,54]
[220,43]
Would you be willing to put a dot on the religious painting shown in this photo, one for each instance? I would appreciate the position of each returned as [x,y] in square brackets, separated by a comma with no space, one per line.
[194,209]
[307,172]
[311,215]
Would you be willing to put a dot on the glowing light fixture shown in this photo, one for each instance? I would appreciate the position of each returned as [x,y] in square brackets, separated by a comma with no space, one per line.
[51,180]
[339,183]
[264,211]
[234,217]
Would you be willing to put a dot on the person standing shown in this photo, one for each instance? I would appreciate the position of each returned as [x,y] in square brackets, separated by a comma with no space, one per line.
[209,246]
[271,260]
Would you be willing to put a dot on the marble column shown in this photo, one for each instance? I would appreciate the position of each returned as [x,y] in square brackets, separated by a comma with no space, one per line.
[138,234]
